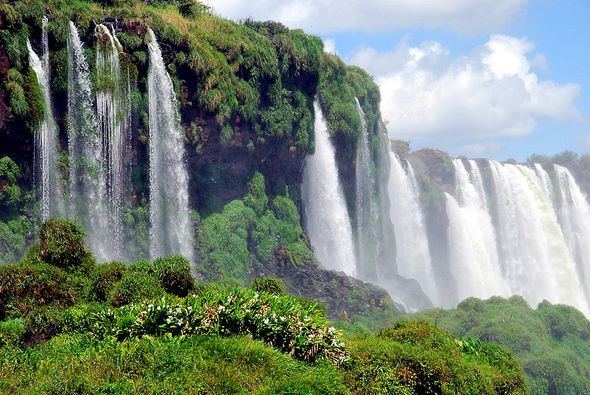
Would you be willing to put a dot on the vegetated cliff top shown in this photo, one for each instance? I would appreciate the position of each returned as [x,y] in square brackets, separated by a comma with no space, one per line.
[255,73]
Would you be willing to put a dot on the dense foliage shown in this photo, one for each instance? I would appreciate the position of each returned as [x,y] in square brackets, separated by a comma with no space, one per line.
[251,232]
[416,357]
[552,343]
[148,327]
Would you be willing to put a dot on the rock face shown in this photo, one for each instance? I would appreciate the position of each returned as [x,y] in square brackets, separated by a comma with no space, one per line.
[342,295]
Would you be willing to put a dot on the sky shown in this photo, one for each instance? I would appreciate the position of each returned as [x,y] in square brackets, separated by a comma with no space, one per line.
[500,79]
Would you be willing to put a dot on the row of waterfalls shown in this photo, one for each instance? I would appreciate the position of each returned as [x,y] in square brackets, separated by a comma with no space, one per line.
[98,130]
[512,229]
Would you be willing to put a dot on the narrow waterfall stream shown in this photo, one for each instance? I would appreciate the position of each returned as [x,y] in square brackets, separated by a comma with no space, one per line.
[49,179]
[327,218]
[170,231]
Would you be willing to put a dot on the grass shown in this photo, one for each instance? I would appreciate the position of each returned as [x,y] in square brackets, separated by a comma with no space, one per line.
[192,365]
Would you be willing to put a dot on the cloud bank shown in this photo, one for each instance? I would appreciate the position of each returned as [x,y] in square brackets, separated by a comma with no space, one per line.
[327,16]
[468,102]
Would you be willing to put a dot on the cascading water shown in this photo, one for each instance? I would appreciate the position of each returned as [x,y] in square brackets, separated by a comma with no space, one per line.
[367,237]
[535,258]
[473,255]
[170,231]
[327,220]
[49,179]
[111,105]
[86,181]
[413,256]
[574,213]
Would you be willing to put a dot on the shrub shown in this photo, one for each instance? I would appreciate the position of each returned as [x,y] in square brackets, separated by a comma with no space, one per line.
[61,244]
[175,275]
[562,320]
[134,287]
[105,277]
[47,321]
[256,197]
[281,321]
[24,287]
[269,284]
[416,357]
[11,332]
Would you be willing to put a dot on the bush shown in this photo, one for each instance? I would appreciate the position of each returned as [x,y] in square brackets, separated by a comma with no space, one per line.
[105,277]
[175,275]
[134,287]
[281,321]
[47,321]
[61,244]
[24,287]
[269,284]
[416,357]
[562,320]
[11,332]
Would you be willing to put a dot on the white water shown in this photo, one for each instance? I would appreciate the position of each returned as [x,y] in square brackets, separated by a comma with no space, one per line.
[327,220]
[86,181]
[367,237]
[473,256]
[536,261]
[412,256]
[111,106]
[575,220]
[170,231]
[49,180]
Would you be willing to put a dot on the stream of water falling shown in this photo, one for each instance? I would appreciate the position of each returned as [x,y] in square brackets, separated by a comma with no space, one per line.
[86,181]
[368,239]
[49,180]
[536,261]
[170,231]
[326,215]
[112,114]
[574,213]
[413,256]
[473,256]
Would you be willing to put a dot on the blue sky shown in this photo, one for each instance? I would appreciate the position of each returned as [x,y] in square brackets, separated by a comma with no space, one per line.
[487,78]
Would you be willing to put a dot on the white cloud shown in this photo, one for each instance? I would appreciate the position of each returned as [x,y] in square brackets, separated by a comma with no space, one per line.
[324,16]
[330,46]
[468,102]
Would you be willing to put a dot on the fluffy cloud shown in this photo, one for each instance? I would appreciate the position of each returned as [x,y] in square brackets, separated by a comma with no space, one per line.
[469,102]
[330,46]
[323,16]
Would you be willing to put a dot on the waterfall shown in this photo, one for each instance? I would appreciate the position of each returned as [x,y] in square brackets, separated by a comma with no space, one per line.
[575,219]
[87,183]
[170,231]
[473,255]
[535,257]
[413,256]
[367,237]
[49,180]
[112,114]
[327,220]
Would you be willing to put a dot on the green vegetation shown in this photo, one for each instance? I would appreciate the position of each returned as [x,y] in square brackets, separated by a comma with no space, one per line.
[148,328]
[551,343]
[416,357]
[192,365]
[16,228]
[251,232]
